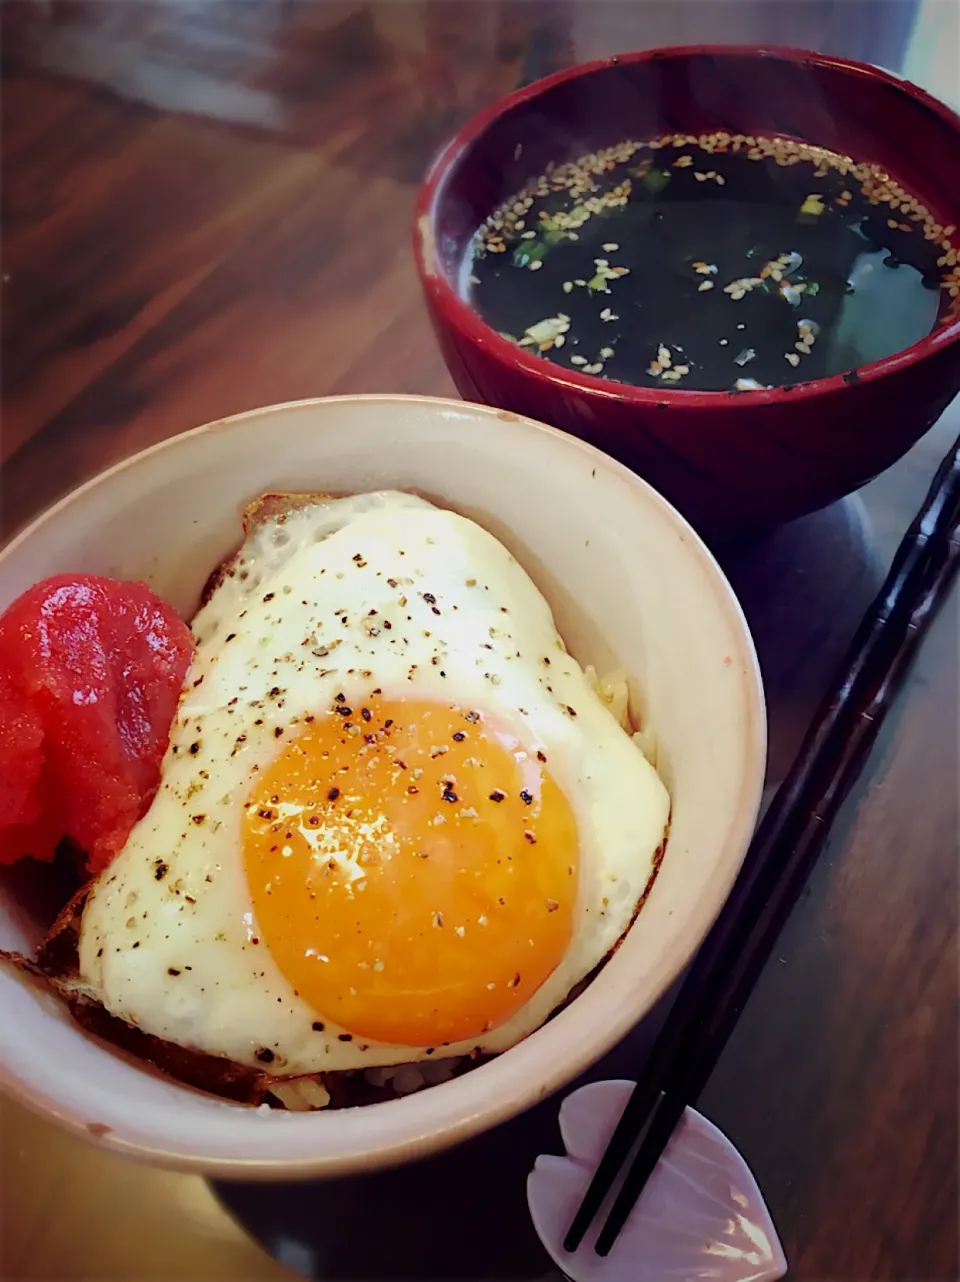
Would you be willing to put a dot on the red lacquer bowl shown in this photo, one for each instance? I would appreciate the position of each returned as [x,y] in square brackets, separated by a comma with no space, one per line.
[732,462]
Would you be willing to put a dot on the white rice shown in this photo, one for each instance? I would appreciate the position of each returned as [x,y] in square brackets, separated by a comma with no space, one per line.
[613,689]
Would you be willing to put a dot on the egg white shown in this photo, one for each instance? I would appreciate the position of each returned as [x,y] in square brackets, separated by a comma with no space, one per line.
[169,941]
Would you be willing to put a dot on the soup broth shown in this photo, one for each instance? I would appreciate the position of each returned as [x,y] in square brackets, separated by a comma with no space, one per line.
[724,262]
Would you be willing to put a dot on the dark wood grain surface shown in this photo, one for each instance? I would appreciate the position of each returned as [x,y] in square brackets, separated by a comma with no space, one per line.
[205,208]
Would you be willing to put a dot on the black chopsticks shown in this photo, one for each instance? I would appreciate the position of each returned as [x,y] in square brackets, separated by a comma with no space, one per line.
[786,844]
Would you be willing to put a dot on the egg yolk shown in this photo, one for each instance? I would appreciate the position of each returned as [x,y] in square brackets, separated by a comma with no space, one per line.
[413,870]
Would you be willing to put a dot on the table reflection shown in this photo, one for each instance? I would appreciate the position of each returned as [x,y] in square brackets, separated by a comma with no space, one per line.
[804,589]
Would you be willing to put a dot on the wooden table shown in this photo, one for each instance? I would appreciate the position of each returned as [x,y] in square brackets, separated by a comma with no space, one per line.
[206,208]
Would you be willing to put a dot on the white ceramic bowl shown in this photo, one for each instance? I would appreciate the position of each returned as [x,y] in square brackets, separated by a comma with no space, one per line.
[631,586]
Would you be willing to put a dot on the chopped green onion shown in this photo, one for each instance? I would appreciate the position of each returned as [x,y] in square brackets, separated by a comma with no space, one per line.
[529,252]
[655,180]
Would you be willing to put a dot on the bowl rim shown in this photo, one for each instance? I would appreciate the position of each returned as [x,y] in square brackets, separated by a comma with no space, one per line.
[459,315]
[490,1110]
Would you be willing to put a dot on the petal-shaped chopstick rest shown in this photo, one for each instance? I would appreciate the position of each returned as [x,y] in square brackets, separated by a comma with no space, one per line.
[701,1215]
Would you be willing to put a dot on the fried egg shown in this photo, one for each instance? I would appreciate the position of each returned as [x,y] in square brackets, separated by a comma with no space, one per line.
[395,819]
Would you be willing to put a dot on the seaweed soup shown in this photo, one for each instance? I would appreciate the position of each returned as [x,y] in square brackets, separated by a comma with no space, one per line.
[724,262]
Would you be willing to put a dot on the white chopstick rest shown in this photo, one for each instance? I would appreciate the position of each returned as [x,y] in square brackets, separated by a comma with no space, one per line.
[701,1214]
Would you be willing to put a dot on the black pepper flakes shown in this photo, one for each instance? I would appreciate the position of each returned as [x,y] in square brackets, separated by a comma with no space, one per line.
[497,795]
[317,1026]
[526,797]
[366,714]
[278,732]
[541,756]
[194,749]
[198,819]
[459,736]
[172,970]
[344,1037]
[333,794]
[265,1055]
[450,795]
[429,598]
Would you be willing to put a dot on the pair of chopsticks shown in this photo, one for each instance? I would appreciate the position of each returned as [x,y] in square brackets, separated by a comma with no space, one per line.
[783,851]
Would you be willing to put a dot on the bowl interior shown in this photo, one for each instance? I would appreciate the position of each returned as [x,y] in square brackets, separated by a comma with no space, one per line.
[630,585]
[850,109]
